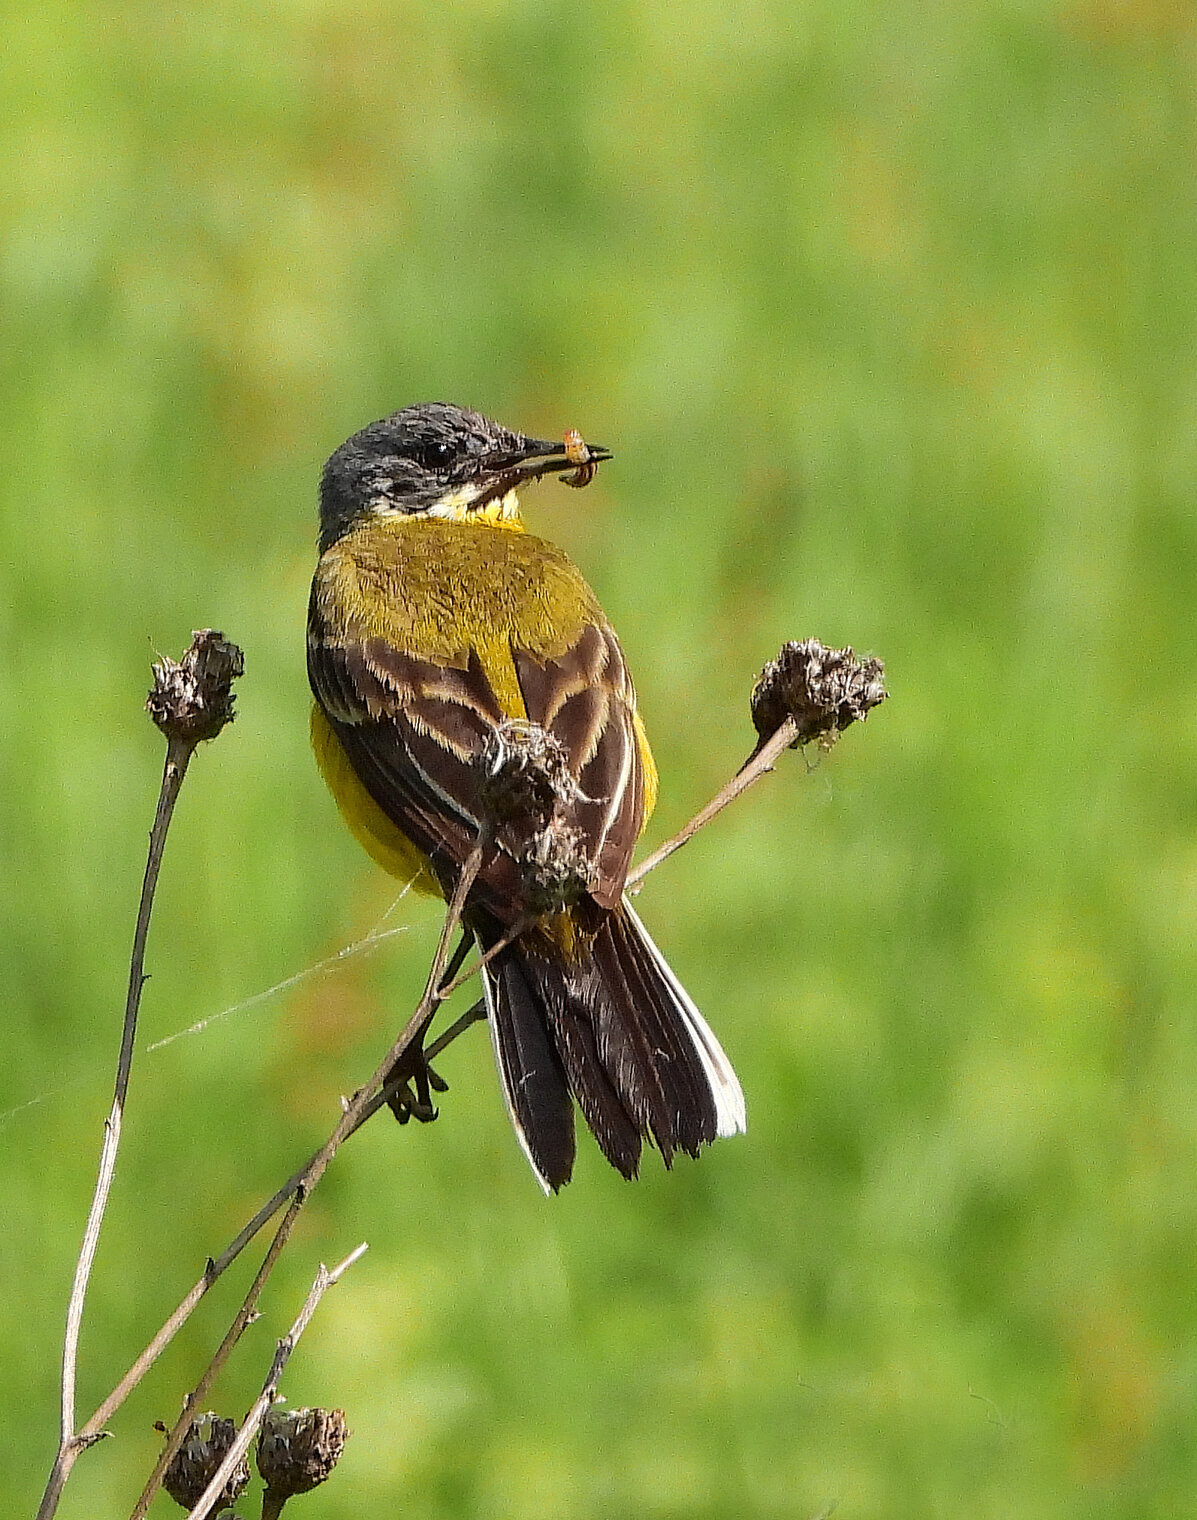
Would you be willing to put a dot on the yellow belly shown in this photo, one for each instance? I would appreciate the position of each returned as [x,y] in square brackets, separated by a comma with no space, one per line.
[367,822]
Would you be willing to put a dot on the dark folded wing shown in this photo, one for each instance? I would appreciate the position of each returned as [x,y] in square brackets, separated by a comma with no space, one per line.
[414,731]
[411,729]
[586,701]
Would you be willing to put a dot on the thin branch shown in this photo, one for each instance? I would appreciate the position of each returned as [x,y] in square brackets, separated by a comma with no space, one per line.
[301,1185]
[810,680]
[760,761]
[524,921]
[249,1427]
[190,700]
[359,1112]
[241,1320]
[178,756]
[473,1015]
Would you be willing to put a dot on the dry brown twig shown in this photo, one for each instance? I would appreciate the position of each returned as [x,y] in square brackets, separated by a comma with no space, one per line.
[808,694]
[253,1420]
[352,1117]
[190,701]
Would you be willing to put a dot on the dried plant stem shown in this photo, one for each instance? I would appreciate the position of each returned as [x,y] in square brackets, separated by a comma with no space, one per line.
[298,1189]
[760,761]
[821,690]
[524,921]
[241,1320]
[372,1097]
[178,755]
[473,1015]
[218,1265]
[249,1426]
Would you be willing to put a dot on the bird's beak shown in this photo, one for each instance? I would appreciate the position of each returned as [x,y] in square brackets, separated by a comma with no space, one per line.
[544,456]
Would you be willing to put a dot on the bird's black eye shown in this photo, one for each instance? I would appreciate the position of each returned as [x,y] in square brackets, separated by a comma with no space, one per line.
[437,454]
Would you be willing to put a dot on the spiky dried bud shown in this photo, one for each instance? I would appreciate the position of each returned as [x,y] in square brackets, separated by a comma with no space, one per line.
[298,1449]
[528,791]
[194,1465]
[823,690]
[557,868]
[525,772]
[192,699]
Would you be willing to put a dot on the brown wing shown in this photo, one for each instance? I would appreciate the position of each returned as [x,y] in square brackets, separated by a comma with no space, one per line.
[586,701]
[410,730]
[414,731]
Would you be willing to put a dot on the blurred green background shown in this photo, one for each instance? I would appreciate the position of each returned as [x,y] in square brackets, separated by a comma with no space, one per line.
[889,313]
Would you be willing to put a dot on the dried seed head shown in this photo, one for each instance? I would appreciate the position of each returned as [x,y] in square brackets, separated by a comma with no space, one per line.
[529,790]
[557,869]
[298,1449]
[823,690]
[525,772]
[194,1465]
[193,698]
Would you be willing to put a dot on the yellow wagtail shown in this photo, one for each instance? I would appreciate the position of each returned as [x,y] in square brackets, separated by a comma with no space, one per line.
[434,620]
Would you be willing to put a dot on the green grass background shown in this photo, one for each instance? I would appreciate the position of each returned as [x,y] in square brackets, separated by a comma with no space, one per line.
[889,313]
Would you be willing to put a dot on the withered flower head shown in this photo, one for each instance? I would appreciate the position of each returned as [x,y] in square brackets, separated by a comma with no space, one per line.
[192,699]
[194,1465]
[525,772]
[557,868]
[823,690]
[298,1449]
[528,790]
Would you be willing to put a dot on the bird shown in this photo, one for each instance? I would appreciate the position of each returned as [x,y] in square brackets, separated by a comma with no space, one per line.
[435,622]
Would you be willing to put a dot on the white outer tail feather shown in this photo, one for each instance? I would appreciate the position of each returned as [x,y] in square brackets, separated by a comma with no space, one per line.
[730,1113]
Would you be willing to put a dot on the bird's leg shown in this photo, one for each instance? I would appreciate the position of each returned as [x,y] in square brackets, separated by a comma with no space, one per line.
[413,1066]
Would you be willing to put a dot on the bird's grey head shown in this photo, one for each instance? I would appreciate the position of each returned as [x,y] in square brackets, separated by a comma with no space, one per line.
[434,460]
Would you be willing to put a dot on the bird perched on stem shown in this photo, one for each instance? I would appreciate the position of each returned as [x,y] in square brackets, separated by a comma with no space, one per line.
[437,626]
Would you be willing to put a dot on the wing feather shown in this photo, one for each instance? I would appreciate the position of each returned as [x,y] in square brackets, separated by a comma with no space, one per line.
[415,729]
[586,701]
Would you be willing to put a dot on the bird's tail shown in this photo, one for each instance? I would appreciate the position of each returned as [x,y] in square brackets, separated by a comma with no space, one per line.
[606,1020]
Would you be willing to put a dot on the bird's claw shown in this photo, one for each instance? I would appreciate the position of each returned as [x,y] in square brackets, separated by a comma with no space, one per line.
[414,1067]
